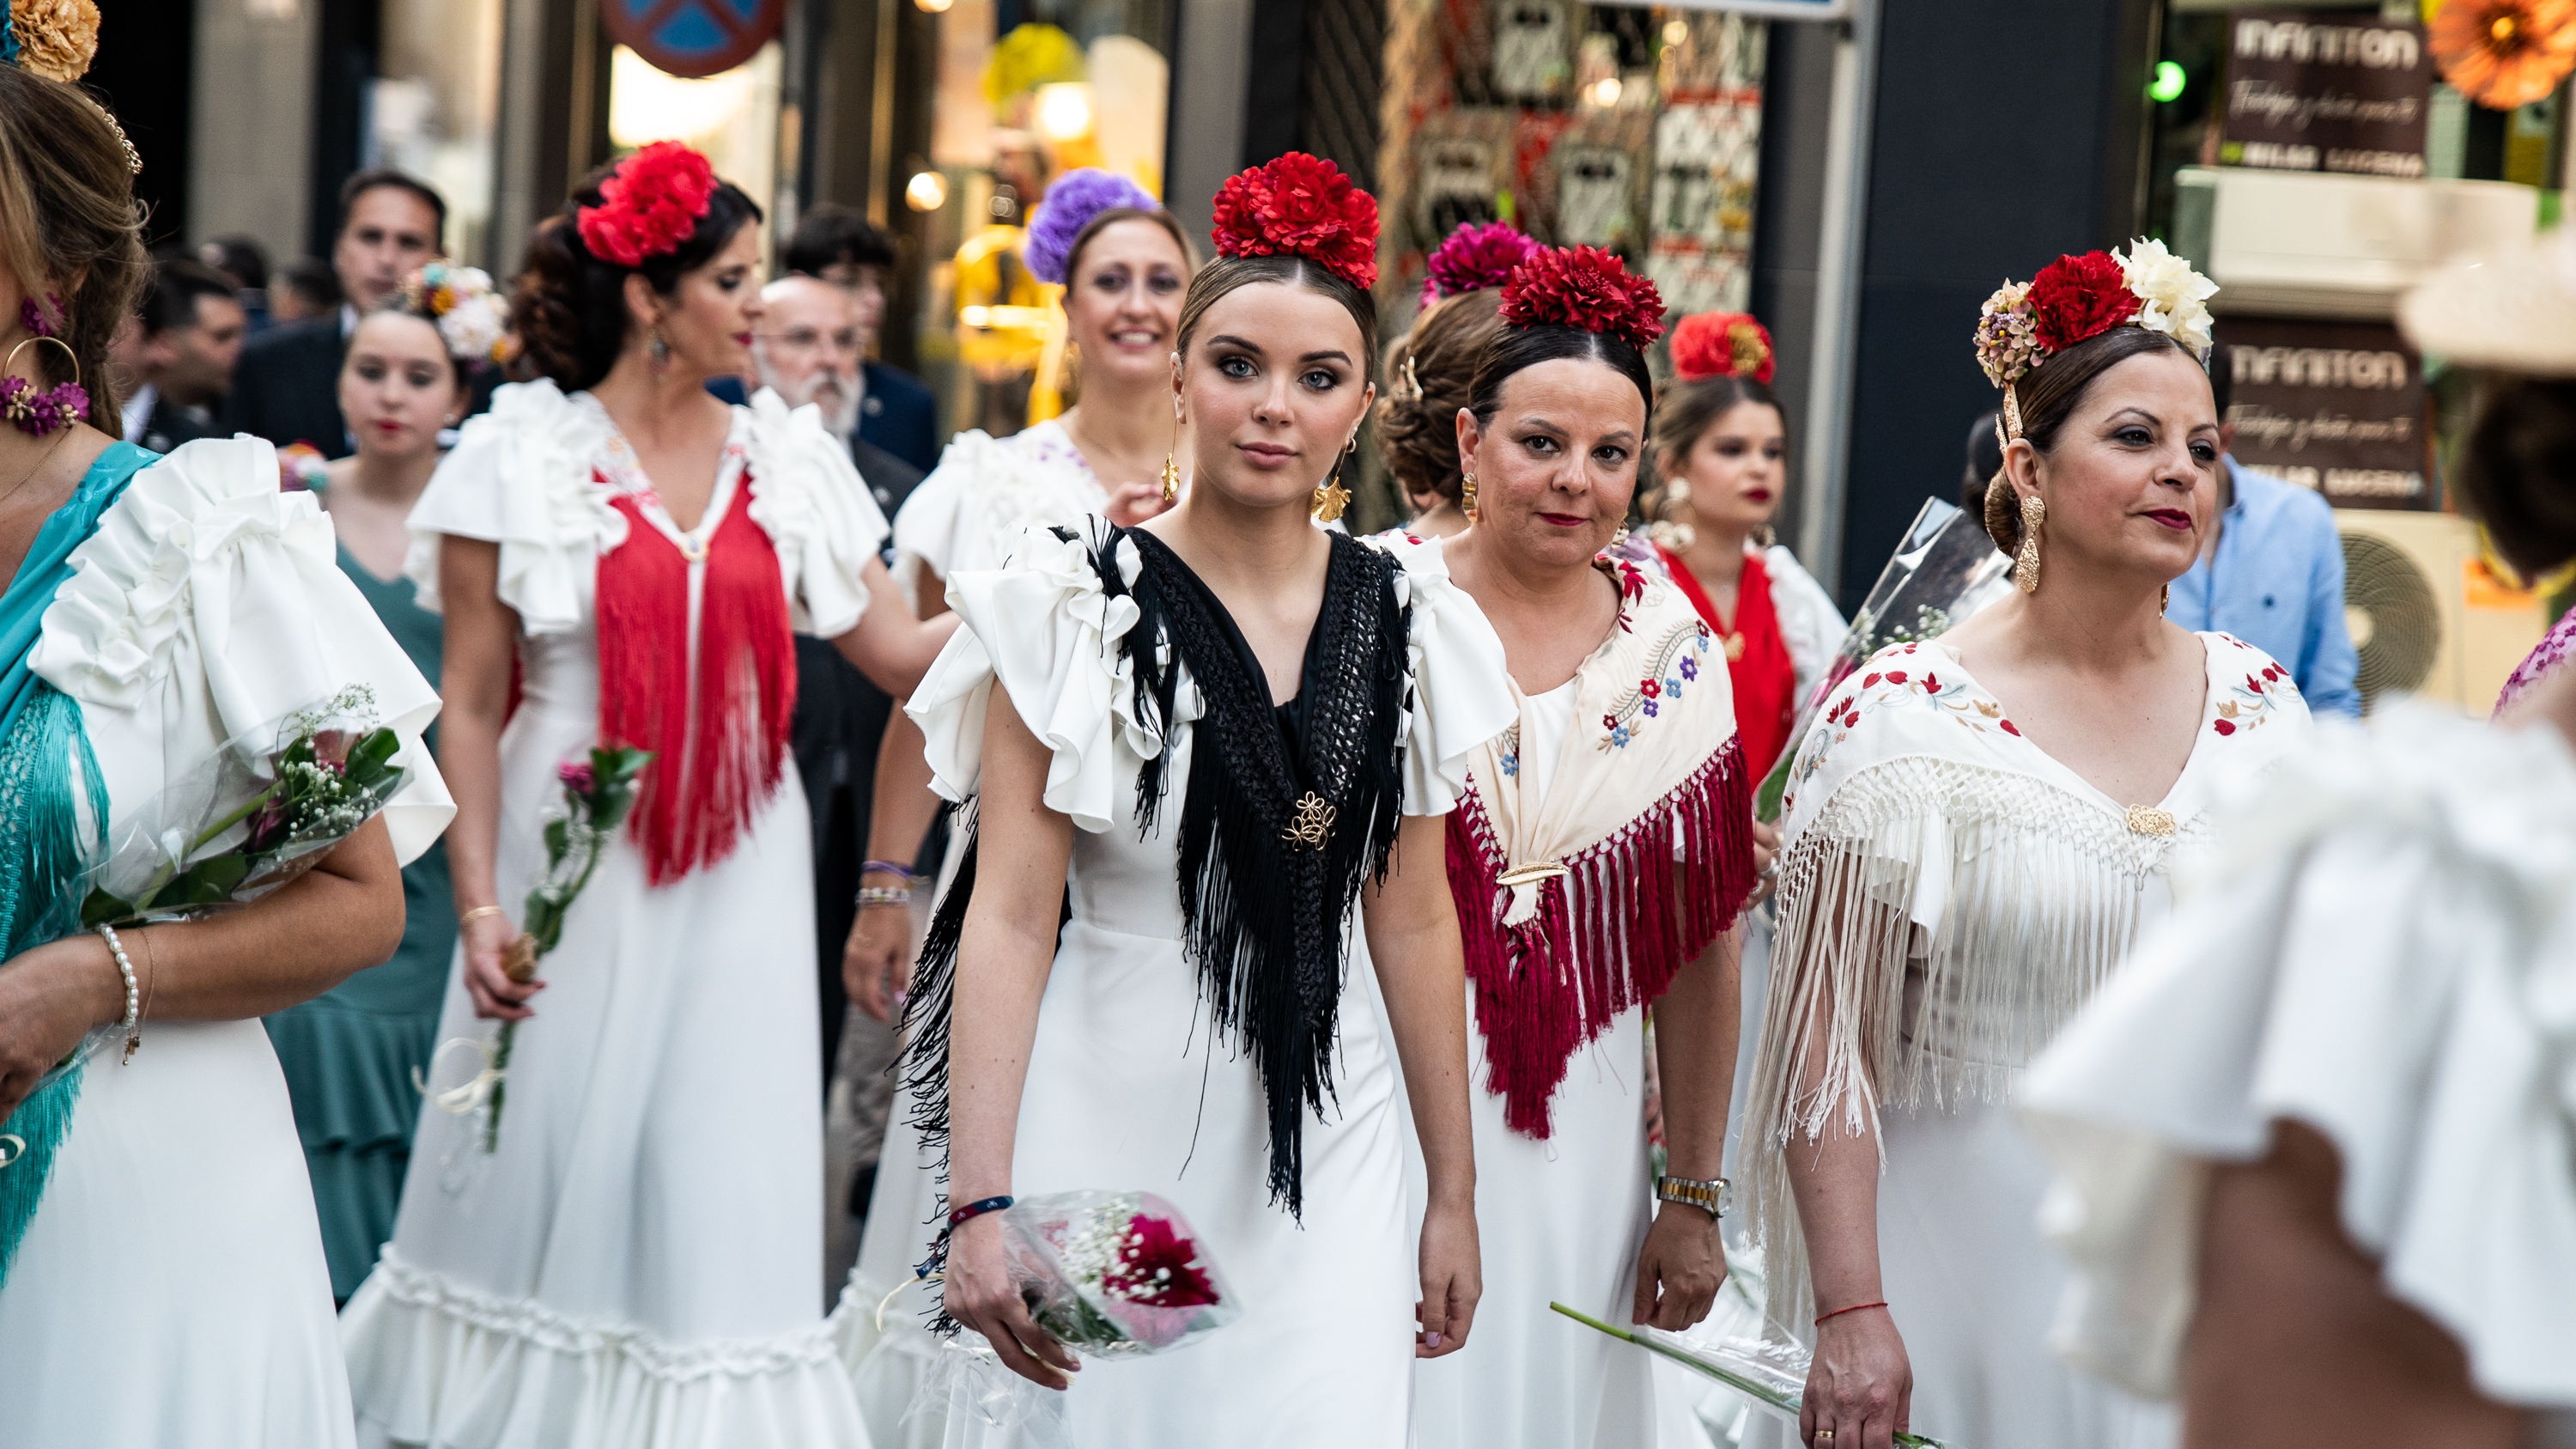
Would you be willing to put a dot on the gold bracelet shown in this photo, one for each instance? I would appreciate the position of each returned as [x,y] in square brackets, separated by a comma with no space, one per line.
[476,914]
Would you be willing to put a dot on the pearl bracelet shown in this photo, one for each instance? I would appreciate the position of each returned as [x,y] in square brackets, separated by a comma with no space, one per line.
[133,994]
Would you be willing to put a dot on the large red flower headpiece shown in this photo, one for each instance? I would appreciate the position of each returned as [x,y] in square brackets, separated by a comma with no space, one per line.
[1587,289]
[1300,206]
[649,205]
[2076,299]
[1722,344]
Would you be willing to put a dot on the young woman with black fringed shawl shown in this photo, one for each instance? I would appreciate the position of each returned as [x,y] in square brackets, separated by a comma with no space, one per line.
[1599,860]
[1221,729]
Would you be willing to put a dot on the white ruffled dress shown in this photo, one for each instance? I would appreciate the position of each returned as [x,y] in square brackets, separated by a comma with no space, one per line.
[2386,953]
[638,1266]
[1950,895]
[1126,1090]
[171,1290]
[965,516]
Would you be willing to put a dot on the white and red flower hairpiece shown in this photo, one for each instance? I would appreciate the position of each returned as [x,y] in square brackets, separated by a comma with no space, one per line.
[649,205]
[1587,289]
[1300,206]
[2078,298]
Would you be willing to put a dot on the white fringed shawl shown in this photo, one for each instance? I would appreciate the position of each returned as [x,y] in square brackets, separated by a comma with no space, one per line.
[1950,895]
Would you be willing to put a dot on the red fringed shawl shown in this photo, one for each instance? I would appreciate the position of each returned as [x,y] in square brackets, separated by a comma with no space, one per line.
[1640,855]
[719,739]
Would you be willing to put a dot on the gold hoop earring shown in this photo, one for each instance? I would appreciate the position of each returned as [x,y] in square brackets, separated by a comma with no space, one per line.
[2026,562]
[1467,495]
[38,413]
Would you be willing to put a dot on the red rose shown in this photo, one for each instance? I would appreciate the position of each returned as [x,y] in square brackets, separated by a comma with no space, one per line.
[2076,298]
[1303,206]
[1587,289]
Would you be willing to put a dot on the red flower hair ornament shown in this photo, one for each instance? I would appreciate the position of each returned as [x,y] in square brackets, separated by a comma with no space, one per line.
[1300,206]
[2076,299]
[649,205]
[1722,344]
[1587,289]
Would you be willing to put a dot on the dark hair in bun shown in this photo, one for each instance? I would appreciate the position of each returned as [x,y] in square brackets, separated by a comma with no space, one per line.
[1427,375]
[570,307]
[2518,471]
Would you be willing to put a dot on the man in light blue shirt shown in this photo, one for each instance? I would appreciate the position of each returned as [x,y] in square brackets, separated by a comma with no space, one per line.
[2272,573]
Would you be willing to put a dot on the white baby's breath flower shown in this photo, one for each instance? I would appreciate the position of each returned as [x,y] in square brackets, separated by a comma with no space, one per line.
[2174,298]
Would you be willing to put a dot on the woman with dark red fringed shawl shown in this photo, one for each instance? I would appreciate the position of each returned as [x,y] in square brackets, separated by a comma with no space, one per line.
[1598,862]
[631,1256]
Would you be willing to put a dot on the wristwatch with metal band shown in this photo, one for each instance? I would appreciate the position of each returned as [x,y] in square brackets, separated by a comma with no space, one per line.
[1713,1198]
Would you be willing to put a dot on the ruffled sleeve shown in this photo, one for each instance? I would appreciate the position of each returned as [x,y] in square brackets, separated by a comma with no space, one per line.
[986,492]
[806,494]
[1460,694]
[2388,954]
[927,526]
[520,476]
[204,568]
[1045,628]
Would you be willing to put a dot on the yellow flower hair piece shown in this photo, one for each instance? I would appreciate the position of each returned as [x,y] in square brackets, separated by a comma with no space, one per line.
[55,39]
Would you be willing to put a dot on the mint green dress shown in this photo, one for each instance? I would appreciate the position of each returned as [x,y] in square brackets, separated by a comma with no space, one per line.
[349,1055]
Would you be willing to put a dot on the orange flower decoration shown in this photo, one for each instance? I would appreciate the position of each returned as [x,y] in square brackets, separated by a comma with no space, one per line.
[2505,53]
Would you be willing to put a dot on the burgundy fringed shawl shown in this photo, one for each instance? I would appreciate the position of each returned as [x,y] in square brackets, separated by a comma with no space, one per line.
[1617,913]
[719,740]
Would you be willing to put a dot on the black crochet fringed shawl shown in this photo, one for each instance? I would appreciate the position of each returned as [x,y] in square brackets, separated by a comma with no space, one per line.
[1286,811]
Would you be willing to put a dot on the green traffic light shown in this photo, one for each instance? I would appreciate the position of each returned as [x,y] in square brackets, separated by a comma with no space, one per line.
[2168,84]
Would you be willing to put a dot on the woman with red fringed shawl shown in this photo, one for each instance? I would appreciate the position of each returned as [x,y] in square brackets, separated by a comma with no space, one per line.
[621,561]
[1598,863]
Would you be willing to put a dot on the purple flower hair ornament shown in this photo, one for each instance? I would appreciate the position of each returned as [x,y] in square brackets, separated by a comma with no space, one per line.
[1071,202]
[1475,259]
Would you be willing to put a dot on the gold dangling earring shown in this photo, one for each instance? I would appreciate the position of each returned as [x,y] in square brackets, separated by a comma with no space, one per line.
[1467,496]
[1332,497]
[1171,465]
[2026,562]
[2164,601]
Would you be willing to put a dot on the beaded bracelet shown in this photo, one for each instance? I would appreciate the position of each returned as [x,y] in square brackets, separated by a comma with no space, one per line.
[133,994]
[884,896]
[885,867]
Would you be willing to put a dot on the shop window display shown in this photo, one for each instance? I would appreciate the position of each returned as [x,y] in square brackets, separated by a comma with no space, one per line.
[1073,84]
[1631,129]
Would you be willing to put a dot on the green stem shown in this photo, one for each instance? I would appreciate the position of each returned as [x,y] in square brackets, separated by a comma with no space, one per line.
[1747,1387]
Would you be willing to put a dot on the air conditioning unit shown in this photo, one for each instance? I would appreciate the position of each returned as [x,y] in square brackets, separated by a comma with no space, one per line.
[2428,615]
[2319,244]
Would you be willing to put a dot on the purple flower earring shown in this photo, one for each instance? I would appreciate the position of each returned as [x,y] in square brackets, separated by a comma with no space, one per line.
[39,320]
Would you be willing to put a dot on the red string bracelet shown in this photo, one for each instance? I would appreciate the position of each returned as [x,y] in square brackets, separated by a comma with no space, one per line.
[1855,1308]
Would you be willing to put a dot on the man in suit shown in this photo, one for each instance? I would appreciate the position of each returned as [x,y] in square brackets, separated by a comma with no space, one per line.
[896,412]
[287,386]
[807,349]
[189,330]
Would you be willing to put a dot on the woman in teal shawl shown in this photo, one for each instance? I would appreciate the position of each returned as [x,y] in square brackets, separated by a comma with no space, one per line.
[352,1056]
[161,1274]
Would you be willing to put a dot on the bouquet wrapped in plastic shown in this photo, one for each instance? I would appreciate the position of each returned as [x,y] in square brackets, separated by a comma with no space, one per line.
[1945,569]
[1772,1374]
[1110,1274]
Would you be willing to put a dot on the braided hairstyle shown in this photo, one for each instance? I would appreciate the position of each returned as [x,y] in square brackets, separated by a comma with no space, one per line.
[69,225]
[570,307]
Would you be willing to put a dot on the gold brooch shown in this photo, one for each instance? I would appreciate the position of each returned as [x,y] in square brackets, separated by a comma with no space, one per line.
[1314,822]
[2148,820]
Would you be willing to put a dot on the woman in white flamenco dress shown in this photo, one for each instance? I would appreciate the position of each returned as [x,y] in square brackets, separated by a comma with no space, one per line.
[1975,833]
[636,1261]
[169,1288]
[1221,735]
[1599,861]
[2315,1148]
[1123,263]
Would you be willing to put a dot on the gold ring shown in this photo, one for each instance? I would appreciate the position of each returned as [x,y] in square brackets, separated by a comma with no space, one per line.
[1824,1436]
